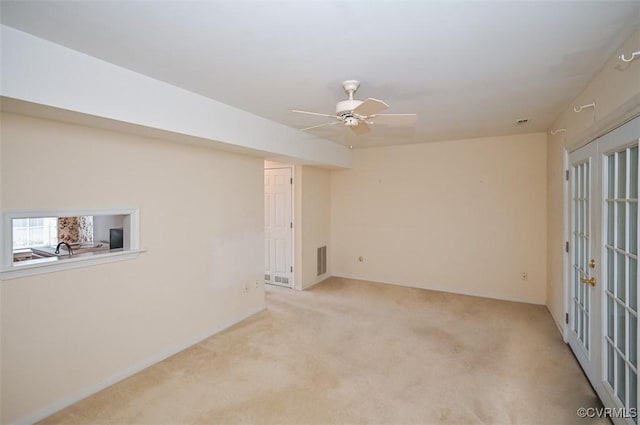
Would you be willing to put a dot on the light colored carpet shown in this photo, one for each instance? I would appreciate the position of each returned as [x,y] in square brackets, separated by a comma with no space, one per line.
[353,352]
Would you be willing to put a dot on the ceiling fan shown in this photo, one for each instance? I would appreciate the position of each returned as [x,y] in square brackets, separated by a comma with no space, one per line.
[360,114]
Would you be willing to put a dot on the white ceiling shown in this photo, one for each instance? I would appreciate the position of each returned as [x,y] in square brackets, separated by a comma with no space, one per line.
[468,69]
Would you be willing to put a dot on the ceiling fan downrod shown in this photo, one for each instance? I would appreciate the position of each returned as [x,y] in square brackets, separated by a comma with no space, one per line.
[350,86]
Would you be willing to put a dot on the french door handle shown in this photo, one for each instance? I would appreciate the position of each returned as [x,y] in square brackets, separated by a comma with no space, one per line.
[590,281]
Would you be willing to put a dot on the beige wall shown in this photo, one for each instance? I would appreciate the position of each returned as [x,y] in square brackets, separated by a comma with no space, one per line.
[67,333]
[616,91]
[316,222]
[462,216]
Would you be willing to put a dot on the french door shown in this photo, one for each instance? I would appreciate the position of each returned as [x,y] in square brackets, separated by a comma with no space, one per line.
[603,277]
[584,301]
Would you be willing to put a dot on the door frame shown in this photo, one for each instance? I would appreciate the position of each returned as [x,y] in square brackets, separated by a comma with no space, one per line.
[269,165]
[566,232]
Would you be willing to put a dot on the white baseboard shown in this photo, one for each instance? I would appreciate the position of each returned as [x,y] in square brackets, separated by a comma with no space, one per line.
[442,289]
[48,411]
[559,325]
[319,279]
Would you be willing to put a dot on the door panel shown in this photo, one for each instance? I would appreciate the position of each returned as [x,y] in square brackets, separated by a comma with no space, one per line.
[278,227]
[619,150]
[584,303]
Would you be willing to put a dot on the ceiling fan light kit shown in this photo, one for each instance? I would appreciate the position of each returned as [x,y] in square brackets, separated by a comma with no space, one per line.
[350,121]
[359,114]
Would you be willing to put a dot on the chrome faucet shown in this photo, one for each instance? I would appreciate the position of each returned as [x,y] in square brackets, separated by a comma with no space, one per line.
[57,251]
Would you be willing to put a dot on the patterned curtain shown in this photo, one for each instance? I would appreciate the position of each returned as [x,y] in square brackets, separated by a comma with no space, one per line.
[75,229]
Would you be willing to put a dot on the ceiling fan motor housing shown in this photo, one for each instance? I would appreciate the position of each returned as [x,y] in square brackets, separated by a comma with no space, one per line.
[347,106]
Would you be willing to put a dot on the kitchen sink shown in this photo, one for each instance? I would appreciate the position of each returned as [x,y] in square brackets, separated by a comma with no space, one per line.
[77,249]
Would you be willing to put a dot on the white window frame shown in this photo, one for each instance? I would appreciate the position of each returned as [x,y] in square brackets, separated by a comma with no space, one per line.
[10,270]
[48,221]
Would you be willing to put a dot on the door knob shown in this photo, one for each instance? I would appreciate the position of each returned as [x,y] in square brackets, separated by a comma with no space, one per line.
[590,281]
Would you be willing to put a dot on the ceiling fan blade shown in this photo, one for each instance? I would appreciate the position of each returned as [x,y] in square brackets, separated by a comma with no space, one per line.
[394,119]
[320,125]
[370,107]
[314,113]
[361,128]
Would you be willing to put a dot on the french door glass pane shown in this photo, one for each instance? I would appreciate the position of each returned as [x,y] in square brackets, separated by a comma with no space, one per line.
[622,175]
[581,295]
[576,308]
[585,253]
[610,222]
[587,293]
[610,365]
[582,325]
[620,224]
[633,340]
[611,181]
[633,284]
[610,270]
[585,320]
[578,319]
[585,192]
[620,276]
[633,391]
[620,378]
[621,334]
[633,227]
[633,185]
[586,219]
[610,321]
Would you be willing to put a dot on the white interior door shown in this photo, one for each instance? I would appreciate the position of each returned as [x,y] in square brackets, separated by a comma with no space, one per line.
[278,225]
[603,280]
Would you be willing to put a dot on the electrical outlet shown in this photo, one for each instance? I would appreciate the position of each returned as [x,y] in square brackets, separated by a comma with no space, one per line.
[246,287]
[257,283]
[524,276]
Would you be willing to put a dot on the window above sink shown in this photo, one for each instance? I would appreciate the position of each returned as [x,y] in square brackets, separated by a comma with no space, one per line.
[36,242]
[34,231]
